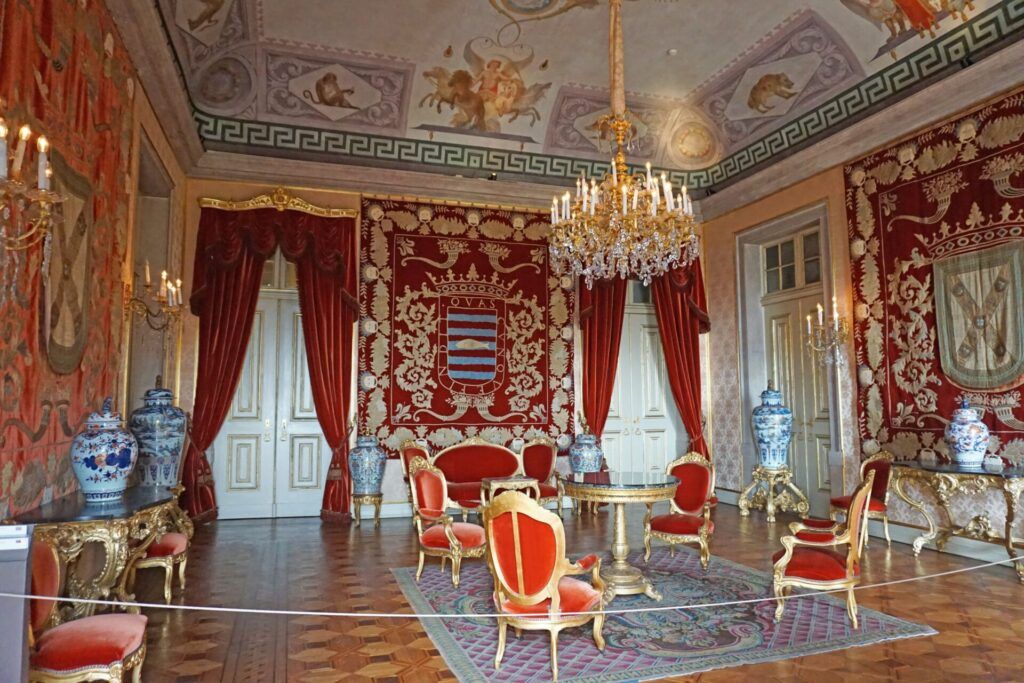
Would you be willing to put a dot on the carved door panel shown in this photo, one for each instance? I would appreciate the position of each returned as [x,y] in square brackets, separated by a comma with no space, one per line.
[271,458]
[303,455]
[243,452]
[643,429]
[804,389]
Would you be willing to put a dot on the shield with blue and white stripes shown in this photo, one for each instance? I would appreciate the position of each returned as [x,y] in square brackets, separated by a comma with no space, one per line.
[472,344]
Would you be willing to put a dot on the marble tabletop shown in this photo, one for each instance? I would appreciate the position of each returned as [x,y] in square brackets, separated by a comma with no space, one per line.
[74,508]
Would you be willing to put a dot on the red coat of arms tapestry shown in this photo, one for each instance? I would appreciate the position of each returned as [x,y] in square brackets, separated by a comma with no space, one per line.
[937,251]
[464,329]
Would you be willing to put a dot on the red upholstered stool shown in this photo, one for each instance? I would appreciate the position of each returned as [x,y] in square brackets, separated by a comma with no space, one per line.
[165,552]
[102,647]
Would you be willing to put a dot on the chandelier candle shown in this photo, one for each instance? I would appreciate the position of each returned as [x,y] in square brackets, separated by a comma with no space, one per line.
[24,133]
[43,181]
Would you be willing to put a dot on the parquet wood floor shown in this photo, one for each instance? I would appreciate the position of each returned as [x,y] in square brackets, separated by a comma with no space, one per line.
[304,564]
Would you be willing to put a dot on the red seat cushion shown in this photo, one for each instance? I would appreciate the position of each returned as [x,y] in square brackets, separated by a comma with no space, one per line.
[573,595]
[816,523]
[815,564]
[843,502]
[466,494]
[469,535]
[91,641]
[172,543]
[548,491]
[680,525]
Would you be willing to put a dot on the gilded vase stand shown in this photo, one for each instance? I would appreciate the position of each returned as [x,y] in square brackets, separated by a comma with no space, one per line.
[617,489]
[946,480]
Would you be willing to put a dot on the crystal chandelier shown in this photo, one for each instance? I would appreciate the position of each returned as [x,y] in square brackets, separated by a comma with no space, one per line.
[625,225]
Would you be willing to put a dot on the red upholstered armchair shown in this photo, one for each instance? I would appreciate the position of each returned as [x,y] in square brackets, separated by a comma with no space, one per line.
[539,457]
[533,584]
[406,452]
[690,518]
[101,647]
[438,535]
[813,556]
[878,503]
[465,464]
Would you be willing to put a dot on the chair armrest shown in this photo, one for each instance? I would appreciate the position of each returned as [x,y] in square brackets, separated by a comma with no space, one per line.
[815,526]
[453,542]
[585,563]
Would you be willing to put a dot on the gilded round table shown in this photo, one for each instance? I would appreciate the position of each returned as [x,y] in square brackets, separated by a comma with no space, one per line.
[618,489]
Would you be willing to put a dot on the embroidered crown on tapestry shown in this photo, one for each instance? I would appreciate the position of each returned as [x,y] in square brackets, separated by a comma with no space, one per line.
[464,329]
[937,250]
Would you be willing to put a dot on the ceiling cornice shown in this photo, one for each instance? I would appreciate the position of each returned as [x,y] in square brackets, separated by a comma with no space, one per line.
[145,38]
[216,165]
[945,99]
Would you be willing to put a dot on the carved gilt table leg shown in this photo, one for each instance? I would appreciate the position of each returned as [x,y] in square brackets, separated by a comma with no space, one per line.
[1012,489]
[622,577]
[900,477]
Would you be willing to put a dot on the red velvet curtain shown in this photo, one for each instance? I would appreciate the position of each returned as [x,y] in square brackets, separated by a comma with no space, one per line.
[231,249]
[601,310]
[681,307]
[324,251]
[226,282]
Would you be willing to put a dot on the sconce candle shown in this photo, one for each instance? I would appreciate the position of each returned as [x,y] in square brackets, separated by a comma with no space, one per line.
[24,133]
[43,145]
[3,149]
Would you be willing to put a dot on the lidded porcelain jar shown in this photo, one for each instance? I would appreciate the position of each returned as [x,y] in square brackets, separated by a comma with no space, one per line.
[366,465]
[773,429]
[585,454]
[967,437]
[103,455]
[159,429]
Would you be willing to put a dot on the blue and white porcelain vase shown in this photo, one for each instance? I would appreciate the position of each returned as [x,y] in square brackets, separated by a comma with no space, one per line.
[103,455]
[585,454]
[366,465]
[967,437]
[773,429]
[159,429]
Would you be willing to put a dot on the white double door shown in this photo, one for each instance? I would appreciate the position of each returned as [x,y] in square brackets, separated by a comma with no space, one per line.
[643,431]
[271,458]
[804,385]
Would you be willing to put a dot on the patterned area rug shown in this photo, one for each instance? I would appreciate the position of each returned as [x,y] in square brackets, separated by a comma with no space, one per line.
[645,645]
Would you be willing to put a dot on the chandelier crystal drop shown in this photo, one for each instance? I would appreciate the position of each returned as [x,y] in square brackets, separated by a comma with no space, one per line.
[624,224]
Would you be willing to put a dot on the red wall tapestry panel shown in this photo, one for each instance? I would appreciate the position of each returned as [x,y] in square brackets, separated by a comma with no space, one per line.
[464,330]
[65,73]
[937,248]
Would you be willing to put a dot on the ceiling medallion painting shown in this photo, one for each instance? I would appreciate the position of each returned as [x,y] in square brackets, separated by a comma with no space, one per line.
[505,86]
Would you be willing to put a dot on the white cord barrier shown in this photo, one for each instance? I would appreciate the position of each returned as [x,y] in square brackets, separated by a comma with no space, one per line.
[434,615]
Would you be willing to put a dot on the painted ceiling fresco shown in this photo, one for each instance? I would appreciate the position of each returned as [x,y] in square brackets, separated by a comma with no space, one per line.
[515,87]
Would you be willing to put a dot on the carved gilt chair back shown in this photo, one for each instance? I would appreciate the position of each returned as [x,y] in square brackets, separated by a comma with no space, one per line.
[696,477]
[526,550]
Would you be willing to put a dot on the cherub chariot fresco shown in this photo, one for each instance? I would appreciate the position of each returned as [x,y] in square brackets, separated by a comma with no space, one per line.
[904,18]
[490,89]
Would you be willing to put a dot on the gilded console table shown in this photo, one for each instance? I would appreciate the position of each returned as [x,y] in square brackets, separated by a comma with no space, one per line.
[946,480]
[124,529]
[617,489]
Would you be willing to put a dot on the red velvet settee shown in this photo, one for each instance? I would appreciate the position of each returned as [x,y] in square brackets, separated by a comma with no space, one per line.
[466,464]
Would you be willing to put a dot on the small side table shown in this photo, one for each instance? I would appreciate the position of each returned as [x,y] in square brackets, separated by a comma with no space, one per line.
[491,485]
[373,499]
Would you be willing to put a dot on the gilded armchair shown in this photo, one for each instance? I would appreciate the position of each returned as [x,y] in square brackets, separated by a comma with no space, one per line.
[878,502]
[438,535]
[812,557]
[539,457]
[533,584]
[690,518]
[103,647]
